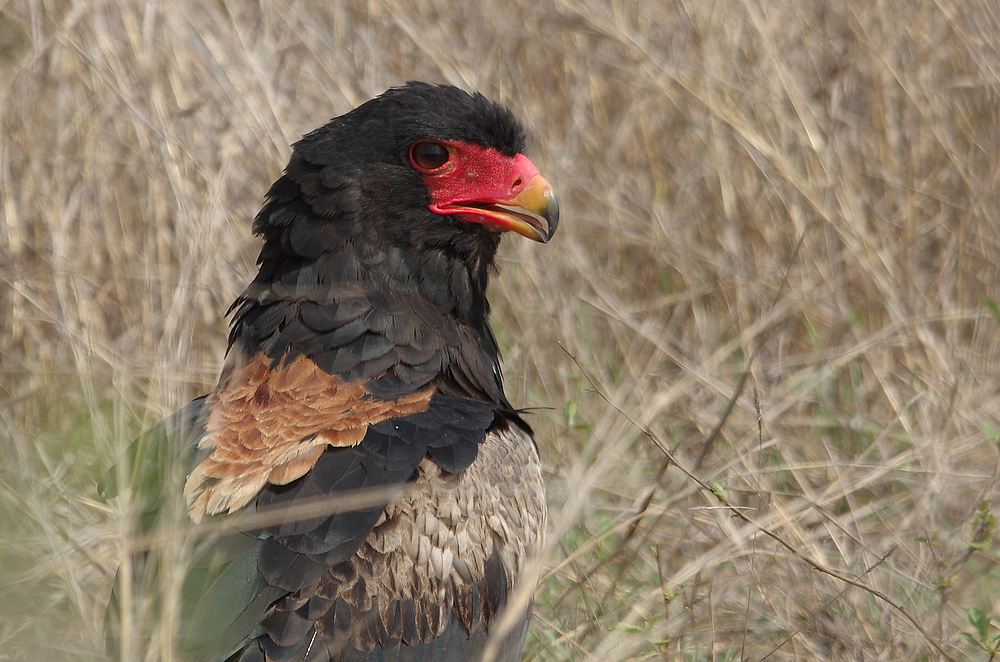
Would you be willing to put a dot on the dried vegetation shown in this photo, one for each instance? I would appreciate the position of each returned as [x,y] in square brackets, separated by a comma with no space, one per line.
[805,193]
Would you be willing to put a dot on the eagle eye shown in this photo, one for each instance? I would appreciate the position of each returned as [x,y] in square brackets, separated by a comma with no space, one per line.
[428,155]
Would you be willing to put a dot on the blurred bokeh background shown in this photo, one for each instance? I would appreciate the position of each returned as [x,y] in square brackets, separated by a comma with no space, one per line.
[806,194]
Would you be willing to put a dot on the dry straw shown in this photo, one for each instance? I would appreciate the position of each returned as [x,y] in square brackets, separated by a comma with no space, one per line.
[778,260]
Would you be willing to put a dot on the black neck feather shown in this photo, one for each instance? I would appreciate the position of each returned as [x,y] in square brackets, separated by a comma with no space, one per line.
[399,303]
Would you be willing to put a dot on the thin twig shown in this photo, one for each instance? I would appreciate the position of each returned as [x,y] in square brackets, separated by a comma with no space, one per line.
[738,512]
[827,605]
[753,544]
[761,338]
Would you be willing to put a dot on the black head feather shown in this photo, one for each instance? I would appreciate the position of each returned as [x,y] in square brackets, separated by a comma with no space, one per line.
[357,165]
[402,114]
[347,228]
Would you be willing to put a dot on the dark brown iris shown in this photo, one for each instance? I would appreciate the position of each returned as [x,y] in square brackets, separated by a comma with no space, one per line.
[429,155]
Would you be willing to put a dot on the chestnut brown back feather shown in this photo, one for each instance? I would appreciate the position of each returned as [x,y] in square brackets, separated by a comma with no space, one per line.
[270,425]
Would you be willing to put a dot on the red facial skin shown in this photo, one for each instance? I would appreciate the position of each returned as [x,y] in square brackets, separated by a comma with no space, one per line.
[485,186]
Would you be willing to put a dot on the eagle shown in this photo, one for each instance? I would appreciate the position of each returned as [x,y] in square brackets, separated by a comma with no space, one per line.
[357,486]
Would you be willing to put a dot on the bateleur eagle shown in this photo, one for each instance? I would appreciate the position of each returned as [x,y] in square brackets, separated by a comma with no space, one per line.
[364,489]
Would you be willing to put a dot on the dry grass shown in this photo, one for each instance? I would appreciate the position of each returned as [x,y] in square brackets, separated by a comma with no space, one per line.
[808,189]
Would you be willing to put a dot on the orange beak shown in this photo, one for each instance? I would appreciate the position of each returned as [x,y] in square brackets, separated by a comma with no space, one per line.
[532,213]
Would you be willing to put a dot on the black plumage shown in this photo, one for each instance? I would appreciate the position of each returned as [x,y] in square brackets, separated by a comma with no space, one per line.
[361,358]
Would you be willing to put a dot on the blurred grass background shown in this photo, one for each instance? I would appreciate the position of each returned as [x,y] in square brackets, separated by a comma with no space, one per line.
[806,190]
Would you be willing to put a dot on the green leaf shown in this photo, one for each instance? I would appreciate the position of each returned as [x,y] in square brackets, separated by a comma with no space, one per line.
[980,622]
[570,411]
[983,525]
[993,306]
[972,640]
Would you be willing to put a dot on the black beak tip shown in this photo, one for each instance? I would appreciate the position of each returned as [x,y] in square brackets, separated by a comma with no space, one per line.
[550,214]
